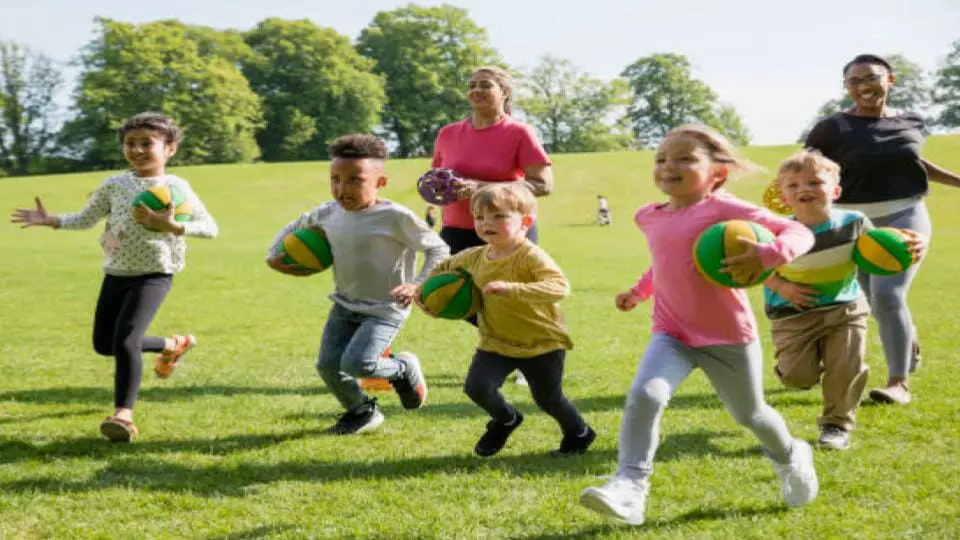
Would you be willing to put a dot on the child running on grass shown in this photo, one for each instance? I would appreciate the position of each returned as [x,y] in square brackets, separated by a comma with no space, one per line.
[375,243]
[143,249]
[698,324]
[818,313]
[521,326]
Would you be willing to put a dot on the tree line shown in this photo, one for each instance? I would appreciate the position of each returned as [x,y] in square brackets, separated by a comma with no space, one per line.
[281,90]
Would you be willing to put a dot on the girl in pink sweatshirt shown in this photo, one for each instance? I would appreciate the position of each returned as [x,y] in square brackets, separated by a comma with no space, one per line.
[698,324]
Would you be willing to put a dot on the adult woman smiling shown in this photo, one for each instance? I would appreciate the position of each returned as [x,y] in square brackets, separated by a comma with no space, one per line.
[488,146]
[883,176]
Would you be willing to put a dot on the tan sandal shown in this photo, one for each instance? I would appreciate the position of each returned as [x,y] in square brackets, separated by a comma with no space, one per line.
[116,429]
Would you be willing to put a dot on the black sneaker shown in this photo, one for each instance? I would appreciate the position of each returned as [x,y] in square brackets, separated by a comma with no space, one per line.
[411,387]
[496,436]
[367,419]
[575,444]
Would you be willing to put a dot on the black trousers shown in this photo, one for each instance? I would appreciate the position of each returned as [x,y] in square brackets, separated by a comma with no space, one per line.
[544,374]
[125,309]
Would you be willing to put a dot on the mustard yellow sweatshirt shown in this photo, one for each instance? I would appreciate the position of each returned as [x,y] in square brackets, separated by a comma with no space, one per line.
[527,320]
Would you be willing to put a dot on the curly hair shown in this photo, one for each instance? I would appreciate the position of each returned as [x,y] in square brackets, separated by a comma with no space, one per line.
[358,146]
[152,121]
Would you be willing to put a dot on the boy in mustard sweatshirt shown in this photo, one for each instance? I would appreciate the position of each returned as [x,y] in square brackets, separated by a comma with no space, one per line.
[521,325]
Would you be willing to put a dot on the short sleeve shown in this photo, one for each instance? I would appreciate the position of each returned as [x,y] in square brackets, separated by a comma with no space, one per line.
[530,151]
[823,137]
[437,151]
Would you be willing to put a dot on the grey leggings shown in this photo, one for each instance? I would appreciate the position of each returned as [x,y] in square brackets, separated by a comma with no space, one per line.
[888,294]
[735,371]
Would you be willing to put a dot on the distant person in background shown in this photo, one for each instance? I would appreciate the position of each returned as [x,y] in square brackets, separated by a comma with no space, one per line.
[883,176]
[429,217]
[603,212]
[488,146]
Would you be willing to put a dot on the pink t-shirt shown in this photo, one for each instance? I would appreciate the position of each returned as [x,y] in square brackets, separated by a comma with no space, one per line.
[497,153]
[686,305]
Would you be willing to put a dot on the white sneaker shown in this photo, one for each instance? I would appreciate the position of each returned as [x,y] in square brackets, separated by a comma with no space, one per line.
[521,380]
[620,497]
[799,476]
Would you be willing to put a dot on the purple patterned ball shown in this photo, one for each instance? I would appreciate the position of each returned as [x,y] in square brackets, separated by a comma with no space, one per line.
[436,186]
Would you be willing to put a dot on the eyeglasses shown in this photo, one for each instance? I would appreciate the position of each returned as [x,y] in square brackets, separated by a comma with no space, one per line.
[868,79]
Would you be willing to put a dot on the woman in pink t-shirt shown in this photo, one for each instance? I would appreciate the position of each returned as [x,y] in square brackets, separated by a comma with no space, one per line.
[488,146]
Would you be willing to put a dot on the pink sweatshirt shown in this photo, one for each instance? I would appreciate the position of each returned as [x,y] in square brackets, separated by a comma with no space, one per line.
[686,305]
[497,153]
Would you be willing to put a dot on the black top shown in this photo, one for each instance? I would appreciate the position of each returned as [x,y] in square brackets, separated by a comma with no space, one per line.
[879,158]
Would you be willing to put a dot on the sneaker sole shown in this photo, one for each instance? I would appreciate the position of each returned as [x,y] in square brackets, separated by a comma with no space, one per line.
[414,361]
[190,346]
[594,500]
[882,397]
[373,424]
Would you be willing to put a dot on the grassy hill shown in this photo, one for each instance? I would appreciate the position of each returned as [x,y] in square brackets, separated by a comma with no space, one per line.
[232,444]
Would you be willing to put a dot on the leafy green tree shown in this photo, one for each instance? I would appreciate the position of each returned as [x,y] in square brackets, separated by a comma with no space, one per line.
[726,120]
[947,89]
[665,95]
[314,87]
[29,82]
[172,68]
[426,55]
[572,111]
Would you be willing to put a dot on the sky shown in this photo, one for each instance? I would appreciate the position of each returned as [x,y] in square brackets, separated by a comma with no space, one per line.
[776,62]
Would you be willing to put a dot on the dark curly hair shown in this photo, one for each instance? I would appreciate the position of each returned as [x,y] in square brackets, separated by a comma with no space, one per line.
[358,146]
[868,59]
[152,121]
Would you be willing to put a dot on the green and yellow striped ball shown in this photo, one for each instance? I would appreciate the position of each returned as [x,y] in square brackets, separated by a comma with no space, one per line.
[451,295]
[719,241]
[158,198]
[883,252]
[309,249]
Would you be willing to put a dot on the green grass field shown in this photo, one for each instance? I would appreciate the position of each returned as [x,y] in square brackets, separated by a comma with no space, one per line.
[232,445]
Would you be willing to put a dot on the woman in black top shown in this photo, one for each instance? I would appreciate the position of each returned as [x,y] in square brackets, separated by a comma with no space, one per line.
[883,176]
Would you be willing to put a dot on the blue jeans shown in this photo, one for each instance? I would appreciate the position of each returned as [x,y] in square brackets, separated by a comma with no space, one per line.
[351,347]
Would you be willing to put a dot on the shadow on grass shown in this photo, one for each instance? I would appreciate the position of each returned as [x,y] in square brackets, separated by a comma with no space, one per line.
[264,531]
[46,416]
[693,516]
[100,395]
[136,464]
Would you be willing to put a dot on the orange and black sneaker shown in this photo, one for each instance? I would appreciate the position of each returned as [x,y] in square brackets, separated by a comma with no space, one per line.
[167,361]
[372,384]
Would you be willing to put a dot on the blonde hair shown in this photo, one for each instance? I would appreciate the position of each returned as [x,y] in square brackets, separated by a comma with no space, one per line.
[810,160]
[504,81]
[803,160]
[504,196]
[719,148]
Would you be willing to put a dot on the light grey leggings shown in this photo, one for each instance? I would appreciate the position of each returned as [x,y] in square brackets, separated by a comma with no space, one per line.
[735,371]
[888,294]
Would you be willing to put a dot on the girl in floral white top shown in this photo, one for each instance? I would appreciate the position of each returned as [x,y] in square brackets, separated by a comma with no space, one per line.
[142,250]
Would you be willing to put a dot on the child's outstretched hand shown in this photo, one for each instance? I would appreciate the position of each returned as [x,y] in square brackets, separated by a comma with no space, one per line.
[160,221]
[405,293]
[496,287]
[628,300]
[747,266]
[30,217]
[419,303]
[276,262]
[917,243]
